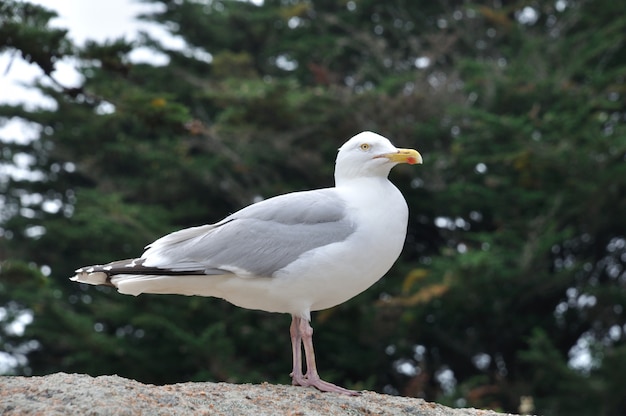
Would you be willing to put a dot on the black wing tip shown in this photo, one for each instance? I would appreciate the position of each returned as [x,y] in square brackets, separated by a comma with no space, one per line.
[133,266]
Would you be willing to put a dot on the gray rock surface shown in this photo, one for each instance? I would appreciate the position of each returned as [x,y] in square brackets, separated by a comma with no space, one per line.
[79,394]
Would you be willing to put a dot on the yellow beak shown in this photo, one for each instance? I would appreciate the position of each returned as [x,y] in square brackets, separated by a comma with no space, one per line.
[409,156]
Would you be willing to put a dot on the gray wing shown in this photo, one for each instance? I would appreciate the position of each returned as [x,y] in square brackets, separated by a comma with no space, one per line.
[259,239]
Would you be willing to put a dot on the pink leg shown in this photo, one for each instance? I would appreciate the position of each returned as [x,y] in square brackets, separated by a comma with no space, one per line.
[302,333]
[296,350]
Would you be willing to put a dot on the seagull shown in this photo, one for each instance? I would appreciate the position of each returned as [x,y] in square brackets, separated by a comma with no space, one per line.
[294,253]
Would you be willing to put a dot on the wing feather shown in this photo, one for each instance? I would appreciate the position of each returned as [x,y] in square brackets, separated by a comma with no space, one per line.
[259,239]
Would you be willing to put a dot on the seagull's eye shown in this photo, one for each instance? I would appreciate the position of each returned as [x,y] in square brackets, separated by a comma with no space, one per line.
[365,147]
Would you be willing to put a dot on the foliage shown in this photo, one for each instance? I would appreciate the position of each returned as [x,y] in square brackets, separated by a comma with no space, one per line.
[513,270]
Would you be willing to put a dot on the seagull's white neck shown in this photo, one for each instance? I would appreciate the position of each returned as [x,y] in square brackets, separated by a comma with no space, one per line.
[346,174]
[371,185]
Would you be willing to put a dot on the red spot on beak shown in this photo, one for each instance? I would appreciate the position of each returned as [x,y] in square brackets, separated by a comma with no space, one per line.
[411,160]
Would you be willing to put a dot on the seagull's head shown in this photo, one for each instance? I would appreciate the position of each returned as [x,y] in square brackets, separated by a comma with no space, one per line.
[370,154]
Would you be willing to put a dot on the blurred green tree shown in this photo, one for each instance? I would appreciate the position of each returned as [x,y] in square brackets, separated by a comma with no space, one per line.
[530,205]
[512,280]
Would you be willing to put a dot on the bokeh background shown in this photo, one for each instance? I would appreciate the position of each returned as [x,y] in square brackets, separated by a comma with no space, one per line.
[511,288]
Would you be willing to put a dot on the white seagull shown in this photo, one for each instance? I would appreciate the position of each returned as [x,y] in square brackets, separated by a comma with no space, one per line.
[294,253]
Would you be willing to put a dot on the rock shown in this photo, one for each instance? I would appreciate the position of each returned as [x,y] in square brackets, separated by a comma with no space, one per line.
[64,394]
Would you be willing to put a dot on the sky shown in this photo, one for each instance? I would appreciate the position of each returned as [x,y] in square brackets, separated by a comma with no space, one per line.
[98,20]
[86,20]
